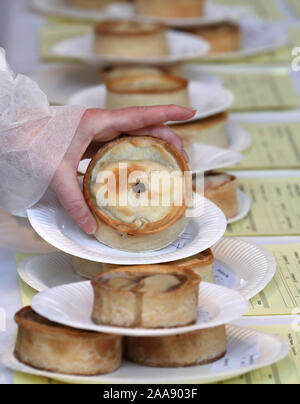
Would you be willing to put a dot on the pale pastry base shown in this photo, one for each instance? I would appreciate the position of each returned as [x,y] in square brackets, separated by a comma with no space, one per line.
[87,355]
[117,100]
[206,272]
[170,8]
[140,243]
[192,349]
[146,45]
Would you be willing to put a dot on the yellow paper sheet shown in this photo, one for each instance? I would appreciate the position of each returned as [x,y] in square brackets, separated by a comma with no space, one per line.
[275,146]
[275,209]
[265,9]
[254,91]
[294,7]
[286,371]
[282,295]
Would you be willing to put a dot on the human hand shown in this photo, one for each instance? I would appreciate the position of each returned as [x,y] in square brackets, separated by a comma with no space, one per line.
[99,125]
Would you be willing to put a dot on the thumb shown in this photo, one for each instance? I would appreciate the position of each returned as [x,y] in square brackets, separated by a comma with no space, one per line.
[66,186]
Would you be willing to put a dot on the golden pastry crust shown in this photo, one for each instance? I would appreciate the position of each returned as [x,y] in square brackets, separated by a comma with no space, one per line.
[145,90]
[147,296]
[132,227]
[49,346]
[191,349]
[221,189]
[170,8]
[125,39]
[211,131]
[223,37]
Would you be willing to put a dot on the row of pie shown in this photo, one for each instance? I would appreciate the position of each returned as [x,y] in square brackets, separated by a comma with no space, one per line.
[157,296]
[125,38]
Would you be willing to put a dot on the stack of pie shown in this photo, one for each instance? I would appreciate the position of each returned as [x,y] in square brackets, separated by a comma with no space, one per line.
[125,189]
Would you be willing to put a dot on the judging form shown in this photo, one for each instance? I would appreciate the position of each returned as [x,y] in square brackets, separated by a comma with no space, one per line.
[275,208]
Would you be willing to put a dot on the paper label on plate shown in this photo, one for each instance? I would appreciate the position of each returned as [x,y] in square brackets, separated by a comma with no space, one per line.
[265,9]
[225,277]
[257,90]
[275,145]
[245,353]
[274,210]
[282,295]
[286,371]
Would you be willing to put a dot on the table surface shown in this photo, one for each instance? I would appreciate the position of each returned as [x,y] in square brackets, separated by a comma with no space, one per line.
[16,21]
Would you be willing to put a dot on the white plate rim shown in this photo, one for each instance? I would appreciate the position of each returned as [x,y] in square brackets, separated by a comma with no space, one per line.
[52,206]
[223,297]
[59,49]
[244,203]
[248,291]
[283,349]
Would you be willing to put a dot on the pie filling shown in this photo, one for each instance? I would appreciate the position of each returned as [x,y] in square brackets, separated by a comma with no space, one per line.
[144,283]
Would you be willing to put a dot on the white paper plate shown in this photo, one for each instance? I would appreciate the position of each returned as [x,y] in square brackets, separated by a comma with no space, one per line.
[213,13]
[72,305]
[206,99]
[244,207]
[247,350]
[258,37]
[62,9]
[239,265]
[54,225]
[182,47]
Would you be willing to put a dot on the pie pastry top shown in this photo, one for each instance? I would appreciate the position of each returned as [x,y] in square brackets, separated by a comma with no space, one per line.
[211,131]
[133,160]
[148,296]
[57,348]
[143,90]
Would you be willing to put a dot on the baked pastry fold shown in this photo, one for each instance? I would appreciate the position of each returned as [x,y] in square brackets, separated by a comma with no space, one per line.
[146,296]
[221,189]
[147,90]
[223,37]
[45,345]
[126,39]
[170,8]
[191,349]
[126,188]
[210,131]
